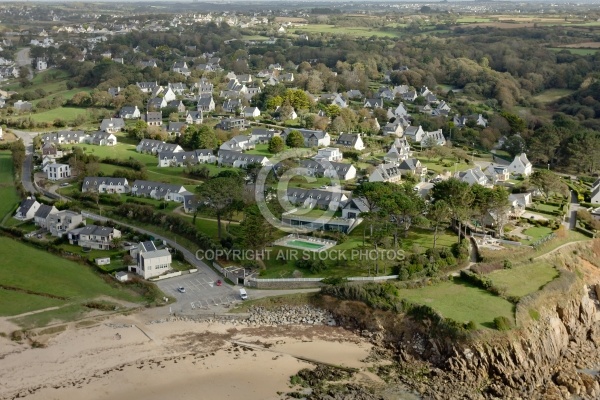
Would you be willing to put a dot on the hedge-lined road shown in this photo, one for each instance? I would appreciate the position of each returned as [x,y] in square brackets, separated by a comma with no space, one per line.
[27,171]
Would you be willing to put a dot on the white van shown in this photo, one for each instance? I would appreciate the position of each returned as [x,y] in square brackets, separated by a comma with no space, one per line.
[243,294]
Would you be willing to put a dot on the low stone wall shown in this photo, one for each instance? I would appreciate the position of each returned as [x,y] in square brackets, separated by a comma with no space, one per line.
[165,276]
[260,284]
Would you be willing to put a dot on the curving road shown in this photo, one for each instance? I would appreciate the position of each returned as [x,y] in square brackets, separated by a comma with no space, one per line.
[27,171]
[23,60]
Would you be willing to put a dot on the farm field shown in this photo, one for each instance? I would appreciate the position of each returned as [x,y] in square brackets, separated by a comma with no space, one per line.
[64,113]
[8,195]
[577,51]
[342,30]
[54,280]
[461,302]
[524,279]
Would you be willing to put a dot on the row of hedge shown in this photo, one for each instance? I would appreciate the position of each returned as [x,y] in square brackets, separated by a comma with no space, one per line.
[486,283]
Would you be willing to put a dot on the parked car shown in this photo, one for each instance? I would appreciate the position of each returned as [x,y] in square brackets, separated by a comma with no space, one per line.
[64,184]
[219,283]
[181,289]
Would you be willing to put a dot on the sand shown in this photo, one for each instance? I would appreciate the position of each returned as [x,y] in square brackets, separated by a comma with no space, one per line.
[125,358]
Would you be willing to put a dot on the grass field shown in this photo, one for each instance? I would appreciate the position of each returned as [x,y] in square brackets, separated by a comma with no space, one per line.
[461,302]
[536,233]
[64,113]
[524,279]
[342,30]
[27,268]
[550,95]
[15,303]
[579,52]
[8,195]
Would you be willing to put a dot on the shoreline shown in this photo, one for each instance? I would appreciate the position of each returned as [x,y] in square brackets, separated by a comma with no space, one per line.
[125,356]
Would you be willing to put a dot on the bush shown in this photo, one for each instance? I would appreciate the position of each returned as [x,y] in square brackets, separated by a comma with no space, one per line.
[502,324]
[507,264]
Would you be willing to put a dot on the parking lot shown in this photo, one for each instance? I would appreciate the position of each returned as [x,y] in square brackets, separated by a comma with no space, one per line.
[201,293]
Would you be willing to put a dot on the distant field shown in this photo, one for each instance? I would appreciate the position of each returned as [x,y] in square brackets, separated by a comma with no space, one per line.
[8,194]
[48,275]
[577,51]
[525,279]
[550,95]
[337,30]
[461,302]
[64,113]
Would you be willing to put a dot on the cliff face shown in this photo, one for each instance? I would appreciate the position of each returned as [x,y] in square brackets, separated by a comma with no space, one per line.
[558,335]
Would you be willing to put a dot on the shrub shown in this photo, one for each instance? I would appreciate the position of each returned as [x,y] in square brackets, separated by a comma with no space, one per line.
[502,324]
[507,264]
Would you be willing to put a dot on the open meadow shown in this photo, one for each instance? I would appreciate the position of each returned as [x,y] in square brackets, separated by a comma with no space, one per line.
[8,194]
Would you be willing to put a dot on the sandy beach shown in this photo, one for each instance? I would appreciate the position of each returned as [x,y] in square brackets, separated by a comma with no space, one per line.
[125,357]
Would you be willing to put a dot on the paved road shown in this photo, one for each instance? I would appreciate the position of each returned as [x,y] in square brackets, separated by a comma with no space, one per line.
[573,207]
[26,173]
[23,60]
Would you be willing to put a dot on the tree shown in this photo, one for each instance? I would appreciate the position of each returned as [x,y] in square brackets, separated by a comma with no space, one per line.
[514,145]
[403,207]
[584,151]
[294,139]
[547,182]
[200,137]
[257,232]
[220,195]
[438,215]
[82,99]
[458,196]
[276,145]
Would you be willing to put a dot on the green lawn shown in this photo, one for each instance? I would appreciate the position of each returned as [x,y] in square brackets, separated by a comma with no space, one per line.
[545,207]
[116,256]
[525,279]
[461,302]
[15,303]
[536,233]
[64,113]
[261,149]
[8,195]
[28,268]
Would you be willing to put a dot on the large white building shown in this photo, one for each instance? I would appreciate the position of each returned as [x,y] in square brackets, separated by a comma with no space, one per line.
[58,171]
[150,261]
[521,165]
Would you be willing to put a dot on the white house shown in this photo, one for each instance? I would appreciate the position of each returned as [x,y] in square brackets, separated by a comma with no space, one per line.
[103,184]
[41,215]
[595,196]
[58,171]
[129,112]
[497,173]
[473,176]
[251,112]
[353,141]
[334,170]
[93,237]
[183,158]
[156,146]
[329,154]
[27,209]
[150,261]
[241,160]
[312,138]
[112,125]
[521,165]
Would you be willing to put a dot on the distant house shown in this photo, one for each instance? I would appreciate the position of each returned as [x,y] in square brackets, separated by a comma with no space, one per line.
[206,103]
[153,118]
[58,171]
[236,159]
[521,165]
[461,121]
[103,184]
[315,198]
[27,209]
[50,149]
[354,207]
[41,215]
[399,151]
[335,170]
[194,117]
[147,87]
[112,125]
[395,128]
[433,138]
[263,135]
[157,103]
[389,172]
[129,112]
[373,103]
[595,196]
[150,261]
[178,88]
[64,137]
[228,124]
[152,146]
[158,190]
[22,106]
[354,94]
[183,158]
[473,176]
[102,139]
[114,91]
[497,173]
[93,237]
[518,202]
[232,105]
[414,133]
[412,166]
[352,141]
[178,104]
[176,127]
[329,154]
[251,112]
[61,222]
[312,138]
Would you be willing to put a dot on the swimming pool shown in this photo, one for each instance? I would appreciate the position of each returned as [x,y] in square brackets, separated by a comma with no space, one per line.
[304,244]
